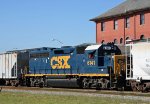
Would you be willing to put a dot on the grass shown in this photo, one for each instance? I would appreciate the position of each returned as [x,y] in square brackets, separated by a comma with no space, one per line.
[124,93]
[27,98]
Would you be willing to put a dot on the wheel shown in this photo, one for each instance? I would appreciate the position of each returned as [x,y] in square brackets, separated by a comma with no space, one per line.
[85,83]
[98,86]
[144,88]
[17,84]
[134,86]
[41,84]
[2,82]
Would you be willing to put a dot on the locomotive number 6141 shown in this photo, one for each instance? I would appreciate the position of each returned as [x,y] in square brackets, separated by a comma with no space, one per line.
[91,63]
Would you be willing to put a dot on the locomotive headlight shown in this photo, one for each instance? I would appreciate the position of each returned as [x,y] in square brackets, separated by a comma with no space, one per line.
[107,48]
[102,69]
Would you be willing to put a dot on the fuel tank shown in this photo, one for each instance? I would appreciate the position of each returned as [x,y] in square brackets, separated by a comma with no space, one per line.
[55,82]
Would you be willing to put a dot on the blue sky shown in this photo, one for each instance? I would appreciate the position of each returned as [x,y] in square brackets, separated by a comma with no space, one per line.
[35,23]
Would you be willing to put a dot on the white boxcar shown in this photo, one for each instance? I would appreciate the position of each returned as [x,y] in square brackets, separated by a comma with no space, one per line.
[8,65]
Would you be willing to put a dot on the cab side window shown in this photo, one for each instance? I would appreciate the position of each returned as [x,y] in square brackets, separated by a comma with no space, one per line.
[91,55]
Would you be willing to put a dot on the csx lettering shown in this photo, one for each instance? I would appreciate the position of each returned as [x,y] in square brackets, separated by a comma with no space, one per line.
[91,63]
[60,62]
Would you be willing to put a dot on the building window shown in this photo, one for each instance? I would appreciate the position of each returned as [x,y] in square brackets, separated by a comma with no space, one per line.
[102,26]
[142,19]
[121,41]
[127,22]
[103,41]
[142,37]
[115,41]
[115,24]
[127,38]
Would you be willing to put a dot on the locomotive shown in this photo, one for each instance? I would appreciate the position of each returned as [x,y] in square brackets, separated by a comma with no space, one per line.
[101,66]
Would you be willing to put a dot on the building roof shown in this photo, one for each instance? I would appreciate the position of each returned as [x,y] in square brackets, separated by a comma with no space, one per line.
[127,7]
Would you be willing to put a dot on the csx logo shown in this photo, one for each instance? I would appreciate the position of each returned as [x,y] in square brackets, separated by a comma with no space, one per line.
[60,62]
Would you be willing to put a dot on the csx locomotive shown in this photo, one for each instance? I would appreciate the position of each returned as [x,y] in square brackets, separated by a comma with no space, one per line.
[85,66]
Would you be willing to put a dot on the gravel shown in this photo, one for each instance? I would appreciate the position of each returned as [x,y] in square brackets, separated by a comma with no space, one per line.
[69,93]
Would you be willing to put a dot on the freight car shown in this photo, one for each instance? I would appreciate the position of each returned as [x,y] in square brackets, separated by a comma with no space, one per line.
[12,63]
[101,66]
[138,65]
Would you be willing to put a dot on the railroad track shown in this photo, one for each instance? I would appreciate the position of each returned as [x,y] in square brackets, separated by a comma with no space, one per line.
[78,90]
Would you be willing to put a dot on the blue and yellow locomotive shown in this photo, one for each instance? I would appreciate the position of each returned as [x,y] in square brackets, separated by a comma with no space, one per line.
[86,66]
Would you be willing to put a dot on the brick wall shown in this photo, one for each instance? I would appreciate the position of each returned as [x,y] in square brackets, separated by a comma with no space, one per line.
[135,30]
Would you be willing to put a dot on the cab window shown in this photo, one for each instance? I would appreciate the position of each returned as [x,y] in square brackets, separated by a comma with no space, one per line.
[91,55]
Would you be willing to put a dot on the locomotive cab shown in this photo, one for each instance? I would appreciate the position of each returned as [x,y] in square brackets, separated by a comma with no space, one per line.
[100,57]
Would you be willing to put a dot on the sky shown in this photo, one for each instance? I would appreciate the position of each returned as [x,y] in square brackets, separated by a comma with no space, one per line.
[28,24]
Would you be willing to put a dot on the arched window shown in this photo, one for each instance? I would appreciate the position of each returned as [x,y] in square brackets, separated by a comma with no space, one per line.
[127,38]
[142,37]
[121,41]
[103,41]
[115,41]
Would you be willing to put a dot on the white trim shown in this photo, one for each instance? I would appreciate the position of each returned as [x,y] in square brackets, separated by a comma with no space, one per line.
[93,47]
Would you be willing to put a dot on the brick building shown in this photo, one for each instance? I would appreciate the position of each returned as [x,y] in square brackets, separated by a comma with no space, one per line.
[129,20]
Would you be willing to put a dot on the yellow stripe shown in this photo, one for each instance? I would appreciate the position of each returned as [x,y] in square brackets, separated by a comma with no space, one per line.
[97,75]
[34,75]
[91,75]
[30,75]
